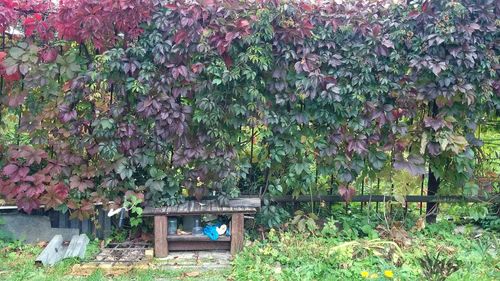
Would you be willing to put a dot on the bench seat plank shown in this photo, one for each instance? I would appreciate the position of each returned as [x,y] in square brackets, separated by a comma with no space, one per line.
[195,208]
[194,238]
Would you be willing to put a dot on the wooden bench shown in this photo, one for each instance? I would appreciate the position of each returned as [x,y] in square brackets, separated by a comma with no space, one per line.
[164,243]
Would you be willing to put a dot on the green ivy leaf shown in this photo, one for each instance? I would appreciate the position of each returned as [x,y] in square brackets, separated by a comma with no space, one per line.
[155,185]
[16,52]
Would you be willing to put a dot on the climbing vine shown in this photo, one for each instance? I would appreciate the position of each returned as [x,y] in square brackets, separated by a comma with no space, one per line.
[177,98]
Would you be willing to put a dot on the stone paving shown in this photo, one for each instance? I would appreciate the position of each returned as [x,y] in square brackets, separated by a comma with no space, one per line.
[199,260]
[190,262]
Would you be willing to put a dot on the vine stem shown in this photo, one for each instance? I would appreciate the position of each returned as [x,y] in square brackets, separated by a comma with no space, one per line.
[20,115]
[1,77]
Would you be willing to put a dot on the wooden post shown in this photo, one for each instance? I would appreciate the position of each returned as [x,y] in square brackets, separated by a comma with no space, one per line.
[161,244]
[237,233]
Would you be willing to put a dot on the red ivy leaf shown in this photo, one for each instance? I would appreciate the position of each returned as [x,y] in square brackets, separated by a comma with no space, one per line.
[227,60]
[170,6]
[183,71]
[307,27]
[30,24]
[23,172]
[434,123]
[413,14]
[10,169]
[7,188]
[347,193]
[34,191]
[12,76]
[376,29]
[357,145]
[180,36]
[425,6]
[306,7]
[207,3]
[28,204]
[197,67]
[67,116]
[75,182]
[55,196]
[130,193]
[53,168]
[387,43]
[41,179]
[434,148]
[414,164]
[82,210]
[242,24]
[16,100]
[48,55]
[32,155]
[9,4]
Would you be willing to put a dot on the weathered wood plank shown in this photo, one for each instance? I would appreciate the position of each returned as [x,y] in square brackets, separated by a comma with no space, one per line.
[161,243]
[86,226]
[182,208]
[106,228]
[52,253]
[207,207]
[100,227]
[77,246]
[228,212]
[195,238]
[253,202]
[198,245]
[63,219]
[237,233]
[74,223]
[199,207]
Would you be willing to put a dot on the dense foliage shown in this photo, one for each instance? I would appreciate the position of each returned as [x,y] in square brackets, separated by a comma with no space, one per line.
[156,97]
[352,249]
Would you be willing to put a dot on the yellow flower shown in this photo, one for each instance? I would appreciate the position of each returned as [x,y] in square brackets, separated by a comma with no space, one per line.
[365,274]
[373,276]
[388,274]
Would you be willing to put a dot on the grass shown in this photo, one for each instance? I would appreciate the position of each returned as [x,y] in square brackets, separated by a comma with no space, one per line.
[17,263]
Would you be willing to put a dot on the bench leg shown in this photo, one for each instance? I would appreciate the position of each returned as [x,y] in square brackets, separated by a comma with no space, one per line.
[161,243]
[237,233]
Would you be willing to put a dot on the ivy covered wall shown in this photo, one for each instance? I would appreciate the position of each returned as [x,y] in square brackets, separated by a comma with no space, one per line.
[170,98]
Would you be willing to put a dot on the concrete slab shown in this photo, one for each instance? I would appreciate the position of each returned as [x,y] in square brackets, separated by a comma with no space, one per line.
[197,260]
[33,229]
[205,267]
[180,256]
[218,255]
